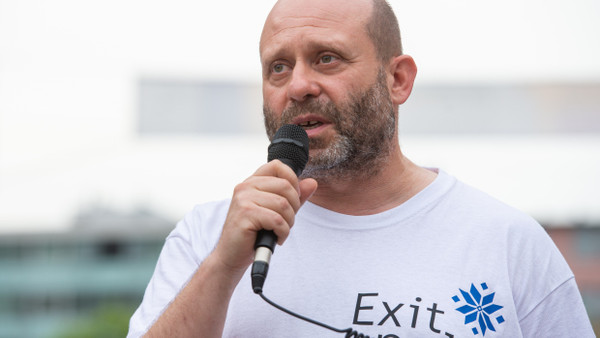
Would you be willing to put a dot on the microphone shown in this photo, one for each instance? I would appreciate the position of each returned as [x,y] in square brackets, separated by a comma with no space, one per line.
[290,146]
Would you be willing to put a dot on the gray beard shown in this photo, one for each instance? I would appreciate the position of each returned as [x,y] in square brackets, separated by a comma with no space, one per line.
[365,125]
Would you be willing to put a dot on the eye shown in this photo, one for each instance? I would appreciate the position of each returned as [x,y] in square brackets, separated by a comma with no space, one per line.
[327,58]
[278,68]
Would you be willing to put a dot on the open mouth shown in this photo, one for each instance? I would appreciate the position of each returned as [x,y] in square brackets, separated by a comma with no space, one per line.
[310,124]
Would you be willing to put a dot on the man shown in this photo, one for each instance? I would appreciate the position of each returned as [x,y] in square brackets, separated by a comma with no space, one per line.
[382,245]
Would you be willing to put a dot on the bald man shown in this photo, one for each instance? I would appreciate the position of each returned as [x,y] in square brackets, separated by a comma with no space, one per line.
[379,244]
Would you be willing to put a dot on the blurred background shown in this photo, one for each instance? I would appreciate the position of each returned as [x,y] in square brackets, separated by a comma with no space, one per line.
[117,117]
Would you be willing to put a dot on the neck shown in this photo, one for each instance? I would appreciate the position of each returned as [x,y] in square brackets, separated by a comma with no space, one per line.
[396,182]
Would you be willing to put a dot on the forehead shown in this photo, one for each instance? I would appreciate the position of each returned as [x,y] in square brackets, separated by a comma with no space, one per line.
[308,19]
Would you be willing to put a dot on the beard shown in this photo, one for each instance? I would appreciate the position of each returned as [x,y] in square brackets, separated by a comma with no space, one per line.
[365,125]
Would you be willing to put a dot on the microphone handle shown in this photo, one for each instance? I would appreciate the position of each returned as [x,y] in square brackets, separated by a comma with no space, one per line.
[264,247]
[265,238]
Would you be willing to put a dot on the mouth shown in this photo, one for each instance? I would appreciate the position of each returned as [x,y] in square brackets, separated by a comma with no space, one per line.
[313,124]
[307,125]
[310,121]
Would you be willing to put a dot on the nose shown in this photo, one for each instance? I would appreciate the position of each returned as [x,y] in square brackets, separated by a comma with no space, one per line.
[303,84]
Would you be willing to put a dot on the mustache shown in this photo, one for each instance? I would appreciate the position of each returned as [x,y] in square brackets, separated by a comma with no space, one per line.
[327,110]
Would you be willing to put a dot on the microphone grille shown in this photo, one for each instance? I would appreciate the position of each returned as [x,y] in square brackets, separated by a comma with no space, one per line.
[290,145]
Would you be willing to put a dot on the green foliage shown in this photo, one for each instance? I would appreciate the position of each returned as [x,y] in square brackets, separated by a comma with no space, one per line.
[107,321]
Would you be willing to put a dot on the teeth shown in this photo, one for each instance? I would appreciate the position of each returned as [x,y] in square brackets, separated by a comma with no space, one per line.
[309,123]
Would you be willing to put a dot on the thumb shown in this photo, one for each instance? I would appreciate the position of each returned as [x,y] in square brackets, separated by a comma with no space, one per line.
[308,187]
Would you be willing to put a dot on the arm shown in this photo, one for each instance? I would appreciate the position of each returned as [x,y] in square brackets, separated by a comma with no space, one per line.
[201,306]
[268,199]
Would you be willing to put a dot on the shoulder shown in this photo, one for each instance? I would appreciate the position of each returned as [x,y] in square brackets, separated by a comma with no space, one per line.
[481,213]
[208,211]
[525,247]
[476,204]
[485,219]
[201,228]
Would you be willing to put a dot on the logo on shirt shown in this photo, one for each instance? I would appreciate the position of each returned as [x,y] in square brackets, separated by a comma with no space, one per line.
[479,310]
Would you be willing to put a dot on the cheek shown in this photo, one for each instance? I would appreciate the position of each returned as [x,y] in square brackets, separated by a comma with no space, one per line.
[274,98]
[343,90]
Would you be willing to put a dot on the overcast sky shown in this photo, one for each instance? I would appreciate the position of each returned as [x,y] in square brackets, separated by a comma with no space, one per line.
[70,69]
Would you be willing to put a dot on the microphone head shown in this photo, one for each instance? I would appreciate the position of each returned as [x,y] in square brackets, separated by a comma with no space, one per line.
[290,146]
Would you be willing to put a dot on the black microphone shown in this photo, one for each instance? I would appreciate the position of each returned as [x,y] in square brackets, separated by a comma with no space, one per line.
[290,146]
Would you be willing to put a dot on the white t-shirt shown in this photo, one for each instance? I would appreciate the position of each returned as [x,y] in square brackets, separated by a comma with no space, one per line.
[449,262]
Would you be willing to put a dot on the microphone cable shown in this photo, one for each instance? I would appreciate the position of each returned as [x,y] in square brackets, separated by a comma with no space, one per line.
[290,146]
[349,331]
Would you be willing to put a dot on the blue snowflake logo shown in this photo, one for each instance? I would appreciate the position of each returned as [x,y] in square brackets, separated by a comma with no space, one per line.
[479,309]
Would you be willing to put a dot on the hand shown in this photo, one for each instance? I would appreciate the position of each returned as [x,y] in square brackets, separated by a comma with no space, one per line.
[269,199]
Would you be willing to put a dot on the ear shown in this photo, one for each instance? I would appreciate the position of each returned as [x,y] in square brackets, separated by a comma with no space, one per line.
[402,73]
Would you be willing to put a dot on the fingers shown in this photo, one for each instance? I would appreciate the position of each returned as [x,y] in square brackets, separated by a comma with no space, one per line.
[266,204]
[278,192]
[269,199]
[277,169]
[307,187]
[278,196]
[275,191]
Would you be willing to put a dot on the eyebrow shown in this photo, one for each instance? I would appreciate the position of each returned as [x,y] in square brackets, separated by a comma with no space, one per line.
[332,45]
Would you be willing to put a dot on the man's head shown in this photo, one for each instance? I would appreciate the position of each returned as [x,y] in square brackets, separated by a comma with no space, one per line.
[384,31]
[336,67]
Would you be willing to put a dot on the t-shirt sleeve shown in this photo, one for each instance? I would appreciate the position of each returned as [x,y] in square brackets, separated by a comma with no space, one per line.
[185,248]
[560,314]
[547,299]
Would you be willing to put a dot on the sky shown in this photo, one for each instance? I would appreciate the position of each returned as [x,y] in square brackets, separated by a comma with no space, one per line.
[70,70]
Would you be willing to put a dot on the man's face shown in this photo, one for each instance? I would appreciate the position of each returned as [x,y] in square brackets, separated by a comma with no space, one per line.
[365,128]
[320,71]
